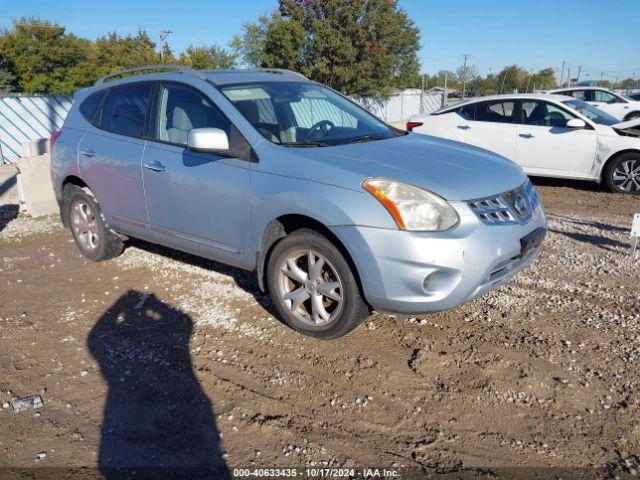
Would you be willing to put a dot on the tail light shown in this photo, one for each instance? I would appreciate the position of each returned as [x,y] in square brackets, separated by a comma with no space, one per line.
[54,137]
[412,125]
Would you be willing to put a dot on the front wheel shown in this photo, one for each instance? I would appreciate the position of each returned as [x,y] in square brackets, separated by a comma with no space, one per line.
[622,174]
[313,287]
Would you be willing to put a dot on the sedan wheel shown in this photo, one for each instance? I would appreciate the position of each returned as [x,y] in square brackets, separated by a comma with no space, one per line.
[626,176]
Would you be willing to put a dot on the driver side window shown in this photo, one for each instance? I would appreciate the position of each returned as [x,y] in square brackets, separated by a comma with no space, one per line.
[606,97]
[181,109]
[543,114]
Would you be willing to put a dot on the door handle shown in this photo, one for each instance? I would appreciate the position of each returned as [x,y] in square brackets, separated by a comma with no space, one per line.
[155,166]
[526,135]
[464,127]
[87,152]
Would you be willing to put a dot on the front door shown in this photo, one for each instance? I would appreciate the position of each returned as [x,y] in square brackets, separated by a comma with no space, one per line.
[545,145]
[197,201]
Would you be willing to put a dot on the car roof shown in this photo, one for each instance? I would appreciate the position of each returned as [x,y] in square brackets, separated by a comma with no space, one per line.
[578,87]
[217,77]
[511,96]
[226,77]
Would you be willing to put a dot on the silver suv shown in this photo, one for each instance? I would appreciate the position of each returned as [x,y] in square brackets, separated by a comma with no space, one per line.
[338,213]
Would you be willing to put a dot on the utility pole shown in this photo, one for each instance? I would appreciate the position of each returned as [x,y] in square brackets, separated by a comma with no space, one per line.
[445,95]
[528,82]
[562,75]
[569,77]
[579,70]
[163,36]
[601,77]
[464,75]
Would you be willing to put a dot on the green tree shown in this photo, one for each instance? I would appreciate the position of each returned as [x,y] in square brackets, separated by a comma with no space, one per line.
[356,46]
[40,54]
[208,58]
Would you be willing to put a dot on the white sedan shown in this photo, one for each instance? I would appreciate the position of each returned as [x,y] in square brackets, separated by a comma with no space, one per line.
[617,105]
[548,135]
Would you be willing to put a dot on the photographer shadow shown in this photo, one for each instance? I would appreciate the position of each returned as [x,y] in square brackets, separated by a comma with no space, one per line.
[158,423]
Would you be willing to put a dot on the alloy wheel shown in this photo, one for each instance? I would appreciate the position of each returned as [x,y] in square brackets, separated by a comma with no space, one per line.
[85,225]
[310,287]
[626,176]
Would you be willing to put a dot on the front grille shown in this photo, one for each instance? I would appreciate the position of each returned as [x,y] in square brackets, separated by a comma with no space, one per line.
[514,206]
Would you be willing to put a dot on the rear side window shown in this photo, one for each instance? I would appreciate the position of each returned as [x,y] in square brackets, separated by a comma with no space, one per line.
[89,107]
[467,111]
[124,111]
[497,112]
[584,95]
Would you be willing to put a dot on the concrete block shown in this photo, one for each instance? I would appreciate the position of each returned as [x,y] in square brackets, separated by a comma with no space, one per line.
[35,189]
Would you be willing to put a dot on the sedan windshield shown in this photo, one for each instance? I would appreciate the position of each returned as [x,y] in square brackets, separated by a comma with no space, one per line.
[304,114]
[592,113]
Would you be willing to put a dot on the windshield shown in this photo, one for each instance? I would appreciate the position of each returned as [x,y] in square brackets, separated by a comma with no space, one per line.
[592,113]
[304,114]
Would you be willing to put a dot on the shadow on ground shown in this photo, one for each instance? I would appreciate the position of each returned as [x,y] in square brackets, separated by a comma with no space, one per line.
[585,185]
[600,241]
[158,423]
[8,211]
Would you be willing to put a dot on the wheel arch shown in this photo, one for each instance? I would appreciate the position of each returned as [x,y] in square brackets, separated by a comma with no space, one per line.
[631,114]
[611,158]
[280,227]
[64,210]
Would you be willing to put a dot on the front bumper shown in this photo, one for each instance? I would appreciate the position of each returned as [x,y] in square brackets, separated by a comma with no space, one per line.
[419,272]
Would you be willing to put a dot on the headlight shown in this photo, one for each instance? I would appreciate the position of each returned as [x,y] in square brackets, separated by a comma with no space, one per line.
[411,207]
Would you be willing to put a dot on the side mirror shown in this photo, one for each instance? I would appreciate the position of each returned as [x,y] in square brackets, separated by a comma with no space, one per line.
[576,123]
[207,140]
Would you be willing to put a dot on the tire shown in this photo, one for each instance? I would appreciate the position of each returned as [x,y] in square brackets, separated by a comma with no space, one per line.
[92,235]
[625,166]
[331,306]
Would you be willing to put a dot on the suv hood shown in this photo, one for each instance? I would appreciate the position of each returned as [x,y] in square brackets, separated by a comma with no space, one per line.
[453,170]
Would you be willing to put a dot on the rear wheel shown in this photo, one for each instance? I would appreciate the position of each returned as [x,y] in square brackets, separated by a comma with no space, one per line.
[93,237]
[313,286]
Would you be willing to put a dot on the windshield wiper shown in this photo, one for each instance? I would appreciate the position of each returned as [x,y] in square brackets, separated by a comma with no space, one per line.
[306,143]
[365,138]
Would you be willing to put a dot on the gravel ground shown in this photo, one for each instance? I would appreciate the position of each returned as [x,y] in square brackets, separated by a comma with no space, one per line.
[158,358]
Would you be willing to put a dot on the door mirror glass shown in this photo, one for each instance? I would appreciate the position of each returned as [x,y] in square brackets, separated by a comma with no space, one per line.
[207,140]
[576,123]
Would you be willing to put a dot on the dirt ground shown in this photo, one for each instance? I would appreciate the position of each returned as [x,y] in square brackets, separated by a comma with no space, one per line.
[161,359]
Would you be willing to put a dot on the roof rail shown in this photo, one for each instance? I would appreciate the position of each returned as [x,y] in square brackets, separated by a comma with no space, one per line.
[279,70]
[175,68]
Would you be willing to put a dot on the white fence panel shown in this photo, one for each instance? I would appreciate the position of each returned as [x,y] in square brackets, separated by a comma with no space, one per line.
[402,106]
[26,118]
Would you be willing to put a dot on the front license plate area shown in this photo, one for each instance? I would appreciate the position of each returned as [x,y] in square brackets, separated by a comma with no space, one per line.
[531,241]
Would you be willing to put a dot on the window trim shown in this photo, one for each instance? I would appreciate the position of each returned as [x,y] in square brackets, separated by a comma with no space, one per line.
[252,157]
[109,91]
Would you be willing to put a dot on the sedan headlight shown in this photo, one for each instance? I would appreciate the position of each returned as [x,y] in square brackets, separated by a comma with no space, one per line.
[411,207]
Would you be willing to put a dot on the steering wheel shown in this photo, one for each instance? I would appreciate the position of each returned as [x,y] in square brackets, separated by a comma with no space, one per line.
[324,126]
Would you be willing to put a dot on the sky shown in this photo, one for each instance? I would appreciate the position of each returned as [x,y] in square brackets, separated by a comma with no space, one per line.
[602,36]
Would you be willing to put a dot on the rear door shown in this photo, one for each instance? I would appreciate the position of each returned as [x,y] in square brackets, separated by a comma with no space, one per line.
[489,125]
[197,201]
[546,146]
[110,154]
